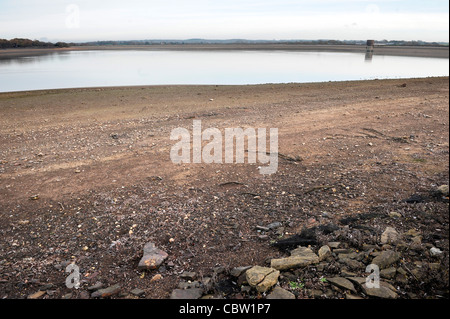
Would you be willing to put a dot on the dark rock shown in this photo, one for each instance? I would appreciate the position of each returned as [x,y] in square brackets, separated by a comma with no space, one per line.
[194,293]
[280,293]
[342,283]
[153,257]
[386,259]
[188,275]
[137,292]
[107,292]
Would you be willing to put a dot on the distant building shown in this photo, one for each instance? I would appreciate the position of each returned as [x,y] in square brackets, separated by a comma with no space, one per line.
[370,45]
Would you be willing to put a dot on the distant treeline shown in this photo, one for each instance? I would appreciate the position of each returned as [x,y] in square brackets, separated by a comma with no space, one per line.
[27,43]
[244,41]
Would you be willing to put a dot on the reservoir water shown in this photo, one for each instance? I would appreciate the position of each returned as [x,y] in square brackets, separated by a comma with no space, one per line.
[73,69]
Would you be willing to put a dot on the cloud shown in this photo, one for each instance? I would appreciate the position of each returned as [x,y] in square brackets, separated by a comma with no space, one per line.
[256,19]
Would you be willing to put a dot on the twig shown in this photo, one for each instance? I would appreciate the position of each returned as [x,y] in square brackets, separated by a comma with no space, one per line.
[231,183]
[318,188]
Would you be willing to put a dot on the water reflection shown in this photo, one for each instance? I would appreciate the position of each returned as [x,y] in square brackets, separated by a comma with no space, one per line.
[121,68]
[34,58]
[369,56]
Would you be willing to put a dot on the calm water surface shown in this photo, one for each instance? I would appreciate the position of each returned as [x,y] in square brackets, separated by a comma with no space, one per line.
[121,68]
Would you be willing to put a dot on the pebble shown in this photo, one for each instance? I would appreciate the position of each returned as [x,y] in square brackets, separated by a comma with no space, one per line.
[153,257]
[193,293]
[280,293]
[343,283]
[435,251]
[390,235]
[324,252]
[386,259]
[262,278]
[107,292]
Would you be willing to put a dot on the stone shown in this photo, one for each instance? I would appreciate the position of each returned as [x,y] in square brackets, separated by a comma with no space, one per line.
[37,295]
[334,244]
[137,292]
[395,215]
[388,273]
[435,252]
[413,233]
[381,292]
[386,259]
[188,275]
[107,292]
[300,257]
[352,297]
[385,291]
[189,284]
[274,225]
[280,293]
[98,285]
[324,252]
[342,283]
[153,257]
[193,293]
[237,271]
[389,236]
[352,264]
[443,190]
[262,278]
[156,278]
[292,262]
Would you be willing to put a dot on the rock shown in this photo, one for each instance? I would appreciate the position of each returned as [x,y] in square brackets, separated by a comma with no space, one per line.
[343,283]
[280,293]
[382,292]
[153,257]
[107,292]
[262,278]
[324,252]
[386,259]
[388,273]
[156,278]
[98,285]
[390,235]
[292,262]
[188,275]
[334,244]
[413,233]
[137,292]
[385,291]
[395,215]
[443,190]
[435,252]
[352,297]
[300,257]
[36,295]
[193,293]
[236,272]
[274,225]
[351,263]
[189,284]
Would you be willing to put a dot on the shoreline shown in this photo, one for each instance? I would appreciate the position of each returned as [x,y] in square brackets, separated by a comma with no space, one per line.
[430,52]
[135,87]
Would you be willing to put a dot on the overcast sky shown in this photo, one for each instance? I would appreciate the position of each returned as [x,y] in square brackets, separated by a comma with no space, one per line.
[87,20]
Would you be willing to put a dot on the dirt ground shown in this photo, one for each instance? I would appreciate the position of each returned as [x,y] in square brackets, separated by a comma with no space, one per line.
[86,176]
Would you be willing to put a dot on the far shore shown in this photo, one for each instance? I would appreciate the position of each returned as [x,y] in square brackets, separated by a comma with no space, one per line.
[414,51]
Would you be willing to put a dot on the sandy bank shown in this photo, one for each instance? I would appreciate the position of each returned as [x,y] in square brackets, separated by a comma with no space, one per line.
[433,52]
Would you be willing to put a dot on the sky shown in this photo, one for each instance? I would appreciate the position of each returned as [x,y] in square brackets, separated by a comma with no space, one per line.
[93,20]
